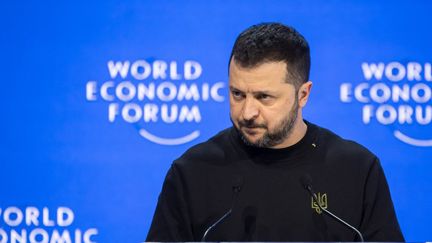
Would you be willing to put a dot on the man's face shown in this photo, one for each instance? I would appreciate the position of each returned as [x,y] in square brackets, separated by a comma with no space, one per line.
[263,106]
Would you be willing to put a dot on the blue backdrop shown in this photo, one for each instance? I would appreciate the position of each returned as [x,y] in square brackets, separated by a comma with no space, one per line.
[100,97]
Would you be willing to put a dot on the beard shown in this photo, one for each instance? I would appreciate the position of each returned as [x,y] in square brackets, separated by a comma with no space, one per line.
[270,138]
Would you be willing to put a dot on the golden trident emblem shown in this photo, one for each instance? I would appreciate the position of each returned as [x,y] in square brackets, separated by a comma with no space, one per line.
[322,200]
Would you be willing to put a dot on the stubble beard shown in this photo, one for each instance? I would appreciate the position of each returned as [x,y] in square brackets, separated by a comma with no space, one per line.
[271,138]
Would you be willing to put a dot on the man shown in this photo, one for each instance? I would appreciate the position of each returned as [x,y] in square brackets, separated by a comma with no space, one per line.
[255,181]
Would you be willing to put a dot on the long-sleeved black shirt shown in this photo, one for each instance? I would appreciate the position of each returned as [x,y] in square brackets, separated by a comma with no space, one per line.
[272,204]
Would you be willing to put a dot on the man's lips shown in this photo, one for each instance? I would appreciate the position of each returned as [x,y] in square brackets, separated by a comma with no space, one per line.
[251,130]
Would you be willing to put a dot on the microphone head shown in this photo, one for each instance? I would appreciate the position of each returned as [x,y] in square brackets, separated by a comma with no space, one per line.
[306,181]
[237,183]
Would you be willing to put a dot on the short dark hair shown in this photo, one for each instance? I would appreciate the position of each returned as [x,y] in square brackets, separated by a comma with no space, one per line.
[267,42]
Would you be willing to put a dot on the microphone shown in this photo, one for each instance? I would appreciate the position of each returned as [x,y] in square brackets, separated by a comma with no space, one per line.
[236,188]
[306,181]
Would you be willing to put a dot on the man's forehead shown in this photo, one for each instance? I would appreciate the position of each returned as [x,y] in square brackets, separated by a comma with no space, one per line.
[261,65]
[265,74]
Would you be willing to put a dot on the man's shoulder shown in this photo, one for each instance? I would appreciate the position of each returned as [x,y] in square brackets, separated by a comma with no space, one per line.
[212,150]
[342,148]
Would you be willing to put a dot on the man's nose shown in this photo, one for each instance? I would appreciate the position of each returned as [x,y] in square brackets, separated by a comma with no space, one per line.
[250,109]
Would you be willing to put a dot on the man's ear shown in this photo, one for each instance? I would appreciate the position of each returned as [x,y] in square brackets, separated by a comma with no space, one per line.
[303,93]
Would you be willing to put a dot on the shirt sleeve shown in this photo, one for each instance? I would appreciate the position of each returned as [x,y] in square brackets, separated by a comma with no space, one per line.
[171,221]
[379,222]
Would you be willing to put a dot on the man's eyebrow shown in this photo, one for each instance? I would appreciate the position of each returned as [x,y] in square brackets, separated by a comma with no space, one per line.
[263,92]
[232,88]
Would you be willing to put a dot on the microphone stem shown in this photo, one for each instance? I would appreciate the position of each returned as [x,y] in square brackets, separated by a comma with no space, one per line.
[236,191]
[314,196]
[216,223]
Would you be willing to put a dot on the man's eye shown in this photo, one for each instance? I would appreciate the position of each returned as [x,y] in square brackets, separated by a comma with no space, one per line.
[236,93]
[264,96]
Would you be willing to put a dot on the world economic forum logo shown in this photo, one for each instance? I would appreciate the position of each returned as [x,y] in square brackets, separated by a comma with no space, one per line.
[47,224]
[158,92]
[395,94]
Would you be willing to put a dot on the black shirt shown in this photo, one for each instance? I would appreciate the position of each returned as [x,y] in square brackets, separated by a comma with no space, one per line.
[272,204]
